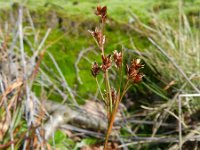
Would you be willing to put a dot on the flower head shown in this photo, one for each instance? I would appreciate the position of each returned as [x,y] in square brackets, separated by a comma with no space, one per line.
[101,11]
[117,58]
[136,64]
[95,69]
[138,78]
[107,62]
[133,71]
[98,36]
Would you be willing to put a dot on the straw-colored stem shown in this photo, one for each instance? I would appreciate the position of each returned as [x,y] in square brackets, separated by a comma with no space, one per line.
[109,97]
[126,87]
[114,112]
[112,119]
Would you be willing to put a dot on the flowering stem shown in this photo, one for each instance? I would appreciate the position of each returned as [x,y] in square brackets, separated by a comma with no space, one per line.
[121,76]
[126,87]
[111,101]
[109,97]
[111,121]
[112,118]
[99,89]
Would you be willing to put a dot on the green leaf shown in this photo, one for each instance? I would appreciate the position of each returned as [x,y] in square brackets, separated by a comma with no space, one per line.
[84,142]
[59,137]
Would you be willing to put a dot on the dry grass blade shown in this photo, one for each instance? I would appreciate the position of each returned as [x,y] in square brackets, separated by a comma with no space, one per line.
[15,75]
[175,64]
[9,89]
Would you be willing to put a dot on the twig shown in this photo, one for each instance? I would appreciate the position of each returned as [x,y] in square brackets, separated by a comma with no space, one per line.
[63,114]
[180,120]
[87,132]
[28,106]
[135,121]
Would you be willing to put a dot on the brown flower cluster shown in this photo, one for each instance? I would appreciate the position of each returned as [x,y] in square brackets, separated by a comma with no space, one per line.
[95,69]
[98,36]
[133,71]
[102,12]
[117,58]
[107,62]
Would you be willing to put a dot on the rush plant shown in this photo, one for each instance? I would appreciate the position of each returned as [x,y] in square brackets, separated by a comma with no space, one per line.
[112,97]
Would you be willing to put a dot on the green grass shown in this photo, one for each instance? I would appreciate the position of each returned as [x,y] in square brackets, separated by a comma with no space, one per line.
[117,10]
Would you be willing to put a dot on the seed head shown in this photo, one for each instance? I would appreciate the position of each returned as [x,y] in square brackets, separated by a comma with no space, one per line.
[95,69]
[117,58]
[107,62]
[98,36]
[138,78]
[133,71]
[101,11]
[136,64]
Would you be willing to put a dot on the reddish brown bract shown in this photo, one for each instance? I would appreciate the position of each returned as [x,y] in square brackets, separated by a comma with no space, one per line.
[133,71]
[117,58]
[107,62]
[95,69]
[101,11]
[136,64]
[99,37]
[138,78]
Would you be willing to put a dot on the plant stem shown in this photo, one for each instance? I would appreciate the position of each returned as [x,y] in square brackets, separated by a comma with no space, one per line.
[109,97]
[112,118]
[126,87]
[111,121]
[100,89]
